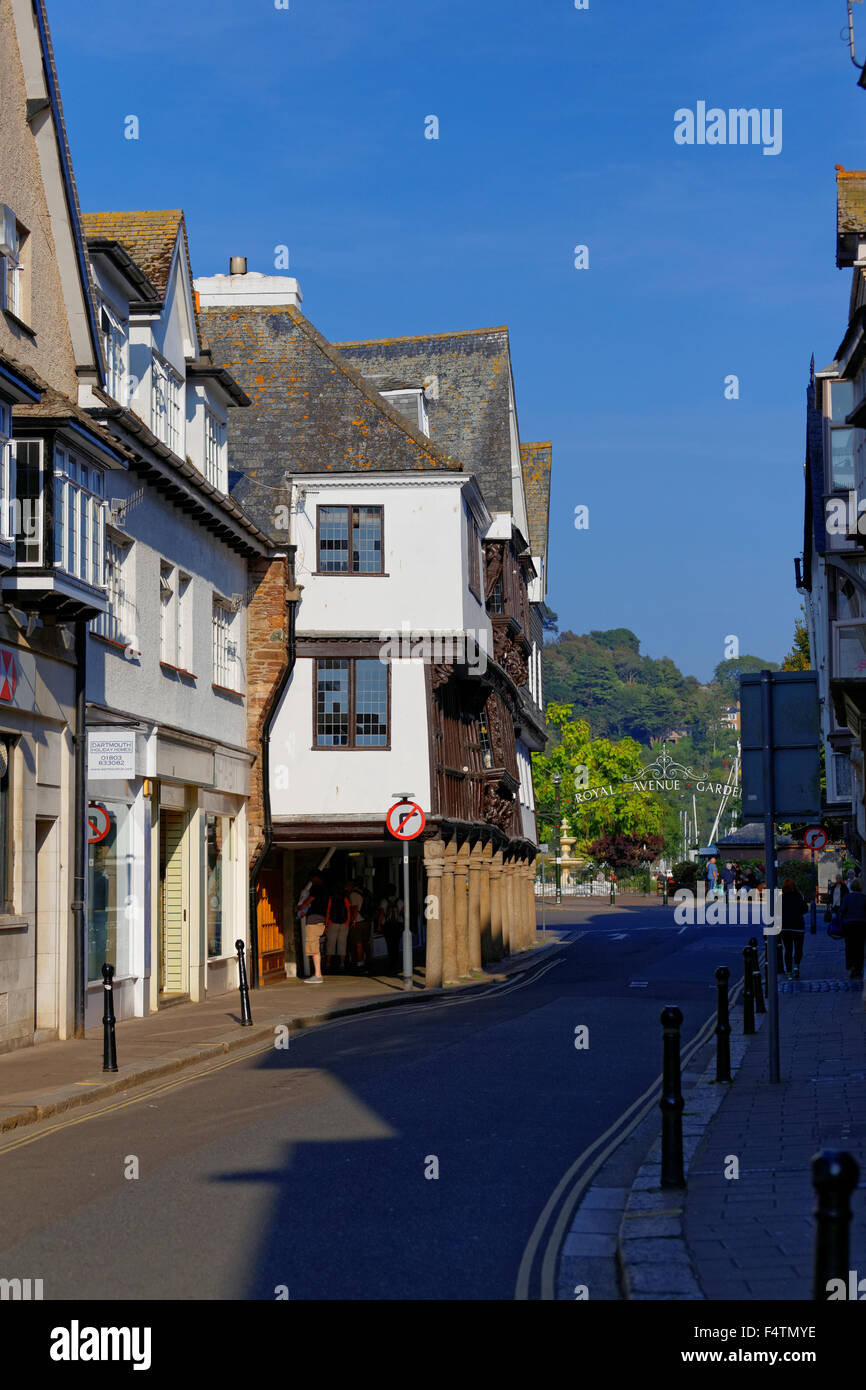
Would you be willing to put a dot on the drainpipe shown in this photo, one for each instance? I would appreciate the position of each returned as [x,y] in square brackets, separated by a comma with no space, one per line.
[266,795]
[79,922]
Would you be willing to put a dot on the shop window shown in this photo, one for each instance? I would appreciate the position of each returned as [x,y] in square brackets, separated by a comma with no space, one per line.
[110,904]
[218,848]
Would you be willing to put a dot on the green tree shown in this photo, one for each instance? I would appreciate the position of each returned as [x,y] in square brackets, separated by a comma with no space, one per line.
[583,761]
[727,673]
[799,657]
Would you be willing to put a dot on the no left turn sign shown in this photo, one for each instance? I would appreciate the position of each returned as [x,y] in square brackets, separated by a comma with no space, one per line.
[406,820]
[98,823]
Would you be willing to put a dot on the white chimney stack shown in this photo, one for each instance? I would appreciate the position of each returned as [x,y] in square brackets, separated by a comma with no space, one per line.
[242,287]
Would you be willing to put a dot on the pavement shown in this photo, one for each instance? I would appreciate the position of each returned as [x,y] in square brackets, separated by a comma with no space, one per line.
[743,1228]
[41,1081]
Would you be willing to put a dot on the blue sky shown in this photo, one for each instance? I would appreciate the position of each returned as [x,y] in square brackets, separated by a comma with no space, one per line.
[305,127]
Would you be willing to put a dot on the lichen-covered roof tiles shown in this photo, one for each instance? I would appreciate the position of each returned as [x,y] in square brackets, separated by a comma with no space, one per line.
[311,412]
[466,376]
[149,238]
[535,460]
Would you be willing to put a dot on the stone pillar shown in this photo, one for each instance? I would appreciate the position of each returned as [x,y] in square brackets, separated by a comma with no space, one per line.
[530,899]
[475,907]
[507,914]
[449,938]
[496,905]
[434,863]
[461,909]
[484,904]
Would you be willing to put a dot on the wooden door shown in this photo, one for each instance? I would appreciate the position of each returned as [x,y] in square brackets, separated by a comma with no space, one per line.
[172,902]
[269,919]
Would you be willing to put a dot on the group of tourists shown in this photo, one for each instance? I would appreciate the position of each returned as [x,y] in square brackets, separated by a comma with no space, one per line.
[341,921]
[845,914]
[729,878]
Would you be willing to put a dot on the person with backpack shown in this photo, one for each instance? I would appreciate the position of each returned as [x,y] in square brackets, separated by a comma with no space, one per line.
[313,911]
[793,933]
[337,921]
[853,921]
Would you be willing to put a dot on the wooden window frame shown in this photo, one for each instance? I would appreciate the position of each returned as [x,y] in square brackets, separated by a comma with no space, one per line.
[351,746]
[351,507]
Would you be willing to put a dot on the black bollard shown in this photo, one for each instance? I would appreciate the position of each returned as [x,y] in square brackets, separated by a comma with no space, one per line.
[723,1026]
[760,1006]
[748,992]
[246,1016]
[672,1102]
[109,1044]
[835,1175]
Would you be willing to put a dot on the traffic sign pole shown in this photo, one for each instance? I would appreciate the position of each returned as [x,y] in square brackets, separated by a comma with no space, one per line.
[396,824]
[770,938]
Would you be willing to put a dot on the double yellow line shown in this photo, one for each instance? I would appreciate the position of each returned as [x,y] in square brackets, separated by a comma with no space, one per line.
[575,1181]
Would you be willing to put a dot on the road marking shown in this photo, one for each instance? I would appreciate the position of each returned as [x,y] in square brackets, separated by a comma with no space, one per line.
[620,936]
[638,984]
[621,1128]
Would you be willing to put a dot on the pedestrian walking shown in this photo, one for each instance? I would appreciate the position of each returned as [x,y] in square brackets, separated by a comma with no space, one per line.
[727,878]
[793,934]
[853,922]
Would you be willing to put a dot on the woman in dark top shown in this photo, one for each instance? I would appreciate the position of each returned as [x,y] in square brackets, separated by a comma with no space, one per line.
[794,907]
[853,918]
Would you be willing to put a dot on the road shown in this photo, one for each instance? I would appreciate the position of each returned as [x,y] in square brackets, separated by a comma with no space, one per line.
[303,1172]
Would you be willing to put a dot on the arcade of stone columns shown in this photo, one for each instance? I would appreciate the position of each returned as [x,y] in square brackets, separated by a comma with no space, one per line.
[480,904]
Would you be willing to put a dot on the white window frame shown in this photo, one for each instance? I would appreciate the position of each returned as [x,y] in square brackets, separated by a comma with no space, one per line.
[83,504]
[116,343]
[422,420]
[10,253]
[215,440]
[225,654]
[118,622]
[166,622]
[17,529]
[166,414]
[182,623]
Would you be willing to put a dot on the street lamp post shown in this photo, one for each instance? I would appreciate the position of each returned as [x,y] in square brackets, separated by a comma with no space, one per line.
[557,778]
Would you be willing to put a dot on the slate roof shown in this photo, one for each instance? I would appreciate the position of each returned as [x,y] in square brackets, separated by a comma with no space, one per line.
[535,460]
[311,412]
[70,185]
[148,237]
[468,404]
[55,406]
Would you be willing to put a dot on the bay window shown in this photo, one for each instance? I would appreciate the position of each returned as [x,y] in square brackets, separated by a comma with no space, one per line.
[79,516]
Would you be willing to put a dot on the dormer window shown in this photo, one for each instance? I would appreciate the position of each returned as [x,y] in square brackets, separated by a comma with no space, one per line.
[165,405]
[114,340]
[412,404]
